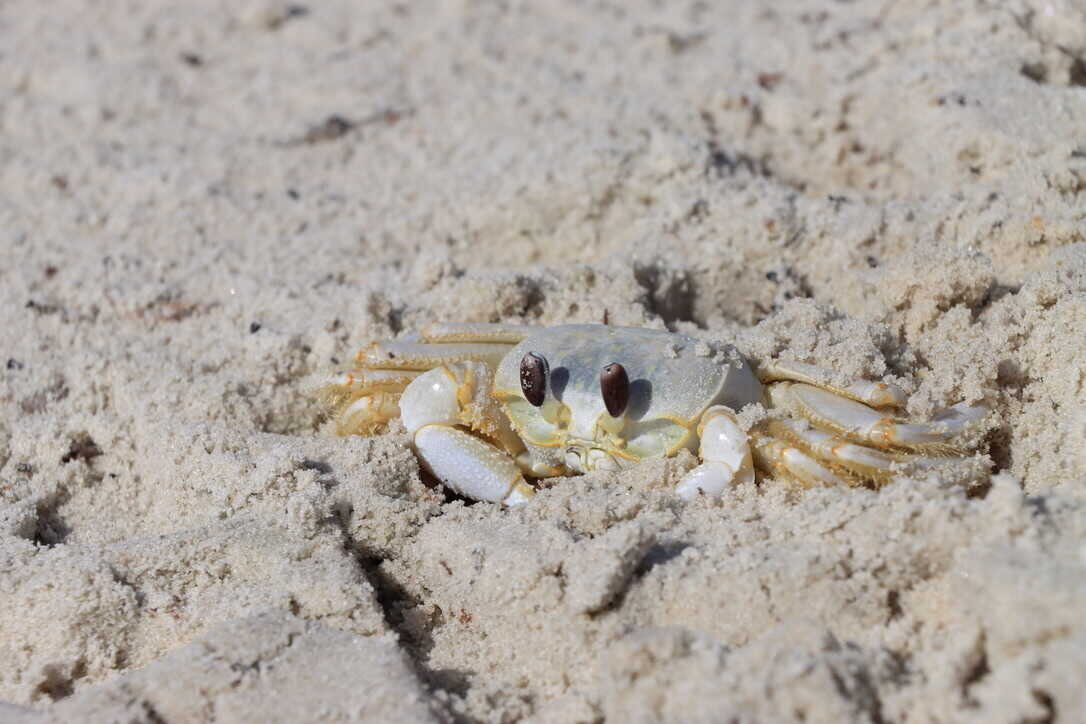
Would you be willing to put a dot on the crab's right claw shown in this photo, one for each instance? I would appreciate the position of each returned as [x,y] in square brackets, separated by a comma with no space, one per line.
[725,454]
[471,467]
[433,409]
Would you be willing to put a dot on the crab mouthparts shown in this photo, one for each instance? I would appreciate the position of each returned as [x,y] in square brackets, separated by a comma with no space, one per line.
[582,458]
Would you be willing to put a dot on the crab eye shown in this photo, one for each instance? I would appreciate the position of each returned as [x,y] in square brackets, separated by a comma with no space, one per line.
[534,371]
[615,388]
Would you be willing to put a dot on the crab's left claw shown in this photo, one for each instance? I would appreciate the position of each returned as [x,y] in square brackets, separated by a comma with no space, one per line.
[725,455]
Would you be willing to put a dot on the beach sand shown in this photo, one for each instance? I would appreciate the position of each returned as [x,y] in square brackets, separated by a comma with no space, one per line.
[206,207]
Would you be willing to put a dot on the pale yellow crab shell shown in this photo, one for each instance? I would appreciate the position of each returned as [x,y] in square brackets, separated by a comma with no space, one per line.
[673,379]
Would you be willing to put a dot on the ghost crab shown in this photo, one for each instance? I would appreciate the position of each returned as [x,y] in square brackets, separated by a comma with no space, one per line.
[489,405]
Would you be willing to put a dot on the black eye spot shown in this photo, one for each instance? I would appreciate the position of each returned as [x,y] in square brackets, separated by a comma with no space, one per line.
[533,378]
[615,388]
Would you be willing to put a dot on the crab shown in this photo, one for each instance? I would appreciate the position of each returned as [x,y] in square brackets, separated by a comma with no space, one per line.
[491,406]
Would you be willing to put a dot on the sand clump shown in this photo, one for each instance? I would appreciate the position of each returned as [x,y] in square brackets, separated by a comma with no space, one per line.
[206,207]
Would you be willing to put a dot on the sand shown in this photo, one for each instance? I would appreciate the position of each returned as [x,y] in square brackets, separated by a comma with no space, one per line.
[206,206]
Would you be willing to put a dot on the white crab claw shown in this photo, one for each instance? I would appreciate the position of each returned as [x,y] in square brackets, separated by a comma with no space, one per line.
[430,399]
[431,410]
[705,479]
[725,450]
[472,467]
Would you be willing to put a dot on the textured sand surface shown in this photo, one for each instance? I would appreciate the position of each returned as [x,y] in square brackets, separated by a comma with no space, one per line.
[205,206]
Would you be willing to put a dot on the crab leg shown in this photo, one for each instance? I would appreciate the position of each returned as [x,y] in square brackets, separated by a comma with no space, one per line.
[876,394]
[784,460]
[725,452]
[860,423]
[367,414]
[476,332]
[423,356]
[364,399]
[435,409]
[860,461]
[361,380]
[857,464]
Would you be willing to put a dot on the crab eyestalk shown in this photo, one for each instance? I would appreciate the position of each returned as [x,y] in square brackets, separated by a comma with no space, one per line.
[615,390]
[535,374]
[534,371]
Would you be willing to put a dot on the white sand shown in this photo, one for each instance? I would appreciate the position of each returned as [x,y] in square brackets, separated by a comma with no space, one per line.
[202,209]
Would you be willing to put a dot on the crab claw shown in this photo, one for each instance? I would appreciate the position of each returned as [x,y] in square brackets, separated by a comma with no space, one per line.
[435,410]
[472,467]
[725,450]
